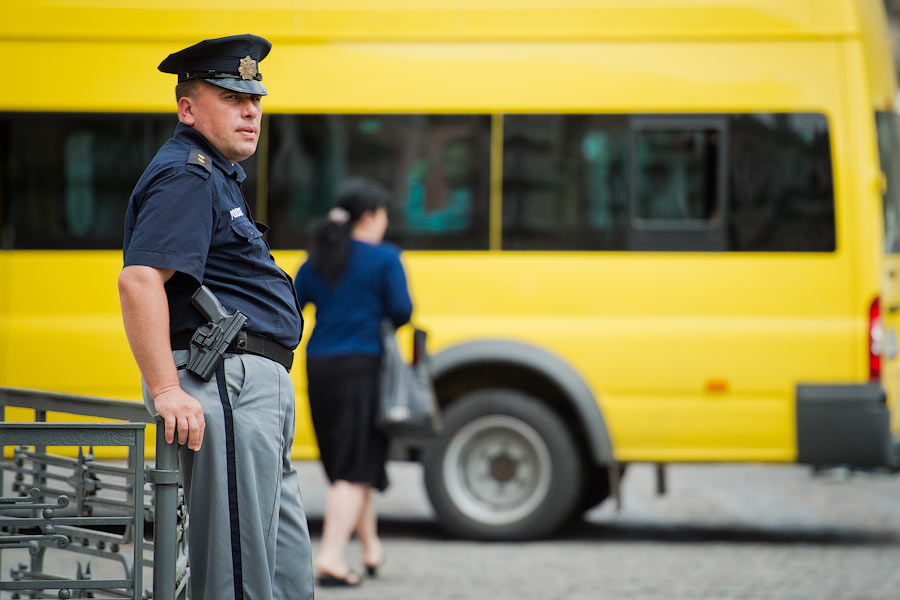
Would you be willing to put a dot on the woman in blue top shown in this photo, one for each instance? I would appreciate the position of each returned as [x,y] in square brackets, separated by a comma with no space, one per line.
[355,282]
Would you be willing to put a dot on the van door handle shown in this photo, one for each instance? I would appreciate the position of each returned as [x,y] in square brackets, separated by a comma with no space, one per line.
[893,308]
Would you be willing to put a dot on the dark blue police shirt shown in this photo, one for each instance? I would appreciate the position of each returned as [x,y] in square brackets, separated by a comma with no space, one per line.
[187,213]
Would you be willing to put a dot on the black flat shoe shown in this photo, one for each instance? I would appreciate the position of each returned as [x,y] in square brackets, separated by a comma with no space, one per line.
[351,579]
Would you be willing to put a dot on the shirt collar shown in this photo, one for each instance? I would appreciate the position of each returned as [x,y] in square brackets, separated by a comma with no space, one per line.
[191,136]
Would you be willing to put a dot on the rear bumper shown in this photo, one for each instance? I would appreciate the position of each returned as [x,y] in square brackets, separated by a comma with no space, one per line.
[844,425]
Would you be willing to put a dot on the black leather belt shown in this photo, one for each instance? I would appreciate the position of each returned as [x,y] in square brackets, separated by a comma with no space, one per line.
[246,343]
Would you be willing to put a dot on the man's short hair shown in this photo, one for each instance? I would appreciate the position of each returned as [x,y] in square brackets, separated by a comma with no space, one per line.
[187,88]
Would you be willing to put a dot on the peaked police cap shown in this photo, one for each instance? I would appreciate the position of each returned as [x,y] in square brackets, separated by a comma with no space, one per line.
[229,62]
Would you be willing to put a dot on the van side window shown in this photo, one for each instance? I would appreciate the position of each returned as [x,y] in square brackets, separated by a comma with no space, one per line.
[65,179]
[436,167]
[888,124]
[677,183]
[781,193]
[676,177]
[565,182]
[743,182]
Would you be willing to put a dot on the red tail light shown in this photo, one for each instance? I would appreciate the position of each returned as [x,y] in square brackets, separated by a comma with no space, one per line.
[876,335]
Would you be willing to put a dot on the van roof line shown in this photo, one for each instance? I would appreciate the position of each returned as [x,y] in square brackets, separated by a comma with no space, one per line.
[447,20]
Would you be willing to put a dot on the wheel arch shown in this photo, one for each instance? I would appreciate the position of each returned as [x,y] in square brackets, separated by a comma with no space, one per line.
[496,362]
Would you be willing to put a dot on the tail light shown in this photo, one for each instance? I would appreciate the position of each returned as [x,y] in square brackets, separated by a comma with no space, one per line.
[876,337]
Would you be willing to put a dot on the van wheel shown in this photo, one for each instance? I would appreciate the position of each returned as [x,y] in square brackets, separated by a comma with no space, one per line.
[504,468]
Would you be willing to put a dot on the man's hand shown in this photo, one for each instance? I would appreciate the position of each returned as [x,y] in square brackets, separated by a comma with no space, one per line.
[181,410]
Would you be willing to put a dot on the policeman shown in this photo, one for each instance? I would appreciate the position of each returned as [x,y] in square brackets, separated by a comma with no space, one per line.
[188,224]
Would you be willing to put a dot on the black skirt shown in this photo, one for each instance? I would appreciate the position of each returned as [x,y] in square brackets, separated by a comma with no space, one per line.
[343,396]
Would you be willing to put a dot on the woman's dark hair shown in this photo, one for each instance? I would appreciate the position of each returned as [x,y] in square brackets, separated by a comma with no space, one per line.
[329,245]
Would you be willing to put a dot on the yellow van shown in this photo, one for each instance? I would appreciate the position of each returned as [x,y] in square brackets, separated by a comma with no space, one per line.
[636,231]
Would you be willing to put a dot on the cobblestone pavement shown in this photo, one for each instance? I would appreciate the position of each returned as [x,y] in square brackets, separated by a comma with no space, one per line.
[721,532]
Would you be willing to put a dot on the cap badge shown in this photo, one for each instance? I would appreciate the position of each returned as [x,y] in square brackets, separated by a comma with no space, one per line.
[247,69]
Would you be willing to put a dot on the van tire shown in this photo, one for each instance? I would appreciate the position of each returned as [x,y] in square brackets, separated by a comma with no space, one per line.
[505,467]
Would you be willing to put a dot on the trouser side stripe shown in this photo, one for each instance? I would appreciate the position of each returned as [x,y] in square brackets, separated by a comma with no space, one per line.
[232,485]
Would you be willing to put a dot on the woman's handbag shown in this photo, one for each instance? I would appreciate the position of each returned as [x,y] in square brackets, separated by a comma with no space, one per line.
[408,405]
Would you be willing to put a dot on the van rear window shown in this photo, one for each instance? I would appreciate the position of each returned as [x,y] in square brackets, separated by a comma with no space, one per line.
[758,182]
[888,124]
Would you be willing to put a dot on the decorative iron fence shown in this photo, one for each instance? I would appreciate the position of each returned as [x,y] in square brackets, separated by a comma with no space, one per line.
[88,508]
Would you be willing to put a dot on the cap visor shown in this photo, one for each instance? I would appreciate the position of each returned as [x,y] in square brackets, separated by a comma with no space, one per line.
[244,86]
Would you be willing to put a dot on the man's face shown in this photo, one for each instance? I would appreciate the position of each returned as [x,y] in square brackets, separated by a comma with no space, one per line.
[228,120]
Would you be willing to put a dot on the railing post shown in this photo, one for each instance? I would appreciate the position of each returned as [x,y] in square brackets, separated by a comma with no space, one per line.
[136,458]
[39,481]
[165,490]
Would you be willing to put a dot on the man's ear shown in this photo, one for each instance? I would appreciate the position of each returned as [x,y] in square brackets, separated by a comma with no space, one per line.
[186,110]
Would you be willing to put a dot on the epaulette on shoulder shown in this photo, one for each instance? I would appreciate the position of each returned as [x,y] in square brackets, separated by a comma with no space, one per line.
[201,159]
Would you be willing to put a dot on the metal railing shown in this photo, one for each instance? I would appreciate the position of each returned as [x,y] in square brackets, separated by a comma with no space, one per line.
[95,509]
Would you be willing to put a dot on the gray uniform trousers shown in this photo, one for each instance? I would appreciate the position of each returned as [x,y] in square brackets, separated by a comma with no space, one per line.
[247,531]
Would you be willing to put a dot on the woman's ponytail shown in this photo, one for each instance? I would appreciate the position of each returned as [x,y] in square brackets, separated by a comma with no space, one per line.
[330,241]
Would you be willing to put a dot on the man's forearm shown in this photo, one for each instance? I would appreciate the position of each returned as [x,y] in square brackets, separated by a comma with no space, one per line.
[145,313]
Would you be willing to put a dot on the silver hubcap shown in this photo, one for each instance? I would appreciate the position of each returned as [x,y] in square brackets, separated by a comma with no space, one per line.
[497,469]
